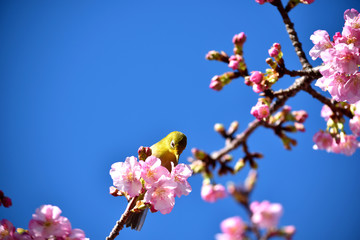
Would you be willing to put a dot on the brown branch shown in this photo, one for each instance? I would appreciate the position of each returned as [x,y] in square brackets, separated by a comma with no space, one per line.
[312,72]
[292,34]
[282,97]
[330,102]
[120,224]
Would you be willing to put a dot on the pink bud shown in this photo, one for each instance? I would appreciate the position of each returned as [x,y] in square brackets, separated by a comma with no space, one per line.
[273,52]
[239,39]
[258,88]
[256,77]
[260,110]
[307,1]
[216,84]
[289,230]
[300,116]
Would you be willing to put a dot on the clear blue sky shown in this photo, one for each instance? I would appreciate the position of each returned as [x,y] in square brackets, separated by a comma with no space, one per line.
[85,83]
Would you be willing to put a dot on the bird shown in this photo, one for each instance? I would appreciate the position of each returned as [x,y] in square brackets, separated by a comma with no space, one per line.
[168,150]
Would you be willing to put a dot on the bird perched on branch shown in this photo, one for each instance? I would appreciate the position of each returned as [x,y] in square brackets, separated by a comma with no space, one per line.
[168,150]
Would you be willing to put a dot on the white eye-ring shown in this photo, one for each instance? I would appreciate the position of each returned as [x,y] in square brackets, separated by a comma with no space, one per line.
[172,144]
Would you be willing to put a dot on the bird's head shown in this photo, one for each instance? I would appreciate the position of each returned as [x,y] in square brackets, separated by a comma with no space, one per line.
[176,142]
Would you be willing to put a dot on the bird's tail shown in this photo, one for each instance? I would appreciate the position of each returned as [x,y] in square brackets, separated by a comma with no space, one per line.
[136,219]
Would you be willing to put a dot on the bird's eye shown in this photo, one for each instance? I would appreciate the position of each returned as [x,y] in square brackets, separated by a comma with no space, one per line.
[172,144]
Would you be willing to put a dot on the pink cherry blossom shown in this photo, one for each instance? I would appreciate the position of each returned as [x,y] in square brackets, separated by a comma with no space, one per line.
[46,222]
[322,42]
[161,195]
[323,140]
[76,234]
[7,230]
[151,170]
[347,145]
[351,29]
[338,38]
[266,214]
[126,176]
[260,110]
[256,77]
[211,193]
[232,229]
[180,174]
[326,112]
[342,57]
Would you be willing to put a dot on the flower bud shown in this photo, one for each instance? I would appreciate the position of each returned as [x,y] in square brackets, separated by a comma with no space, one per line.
[213,55]
[198,154]
[300,116]
[218,127]
[307,1]
[226,158]
[247,81]
[216,83]
[197,166]
[114,191]
[239,165]
[233,127]
[239,39]
[299,127]
[250,180]
[256,77]
[144,152]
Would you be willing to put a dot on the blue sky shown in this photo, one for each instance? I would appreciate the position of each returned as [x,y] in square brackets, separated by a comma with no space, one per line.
[85,83]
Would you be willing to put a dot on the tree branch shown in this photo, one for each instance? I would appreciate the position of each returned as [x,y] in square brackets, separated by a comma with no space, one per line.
[120,224]
[292,34]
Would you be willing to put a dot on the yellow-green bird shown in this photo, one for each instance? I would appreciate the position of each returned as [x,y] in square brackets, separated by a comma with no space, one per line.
[168,150]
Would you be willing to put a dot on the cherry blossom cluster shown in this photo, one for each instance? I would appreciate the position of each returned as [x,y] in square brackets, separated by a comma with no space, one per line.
[341,57]
[4,200]
[46,224]
[152,183]
[265,215]
[334,139]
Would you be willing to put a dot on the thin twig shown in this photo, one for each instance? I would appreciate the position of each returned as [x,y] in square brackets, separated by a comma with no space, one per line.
[331,103]
[120,224]
[292,34]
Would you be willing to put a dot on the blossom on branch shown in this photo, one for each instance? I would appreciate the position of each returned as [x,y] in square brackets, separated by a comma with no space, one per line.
[126,176]
[266,214]
[161,195]
[341,57]
[232,228]
[46,222]
[156,184]
[261,109]
[211,193]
